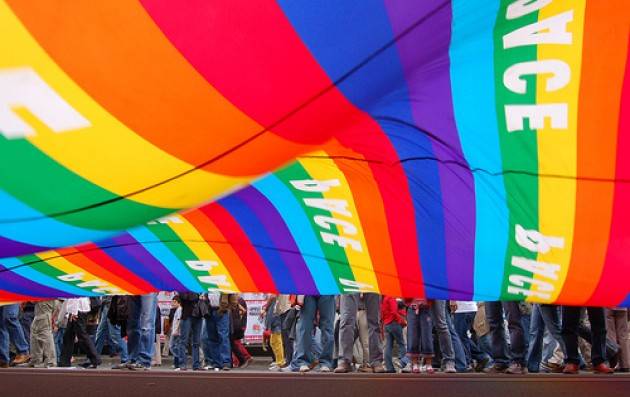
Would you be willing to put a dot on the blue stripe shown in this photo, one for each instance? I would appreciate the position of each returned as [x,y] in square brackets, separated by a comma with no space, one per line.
[335,32]
[32,274]
[259,238]
[154,273]
[300,227]
[166,257]
[473,80]
[45,232]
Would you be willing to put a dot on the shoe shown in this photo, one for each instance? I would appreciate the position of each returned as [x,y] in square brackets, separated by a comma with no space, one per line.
[120,366]
[571,369]
[304,368]
[415,369]
[603,369]
[406,369]
[89,365]
[226,368]
[4,364]
[516,369]
[365,369]
[449,368]
[208,367]
[247,363]
[497,369]
[342,367]
[137,367]
[552,367]
[428,369]
[614,360]
[482,364]
[378,369]
[324,368]
[286,369]
[21,359]
[199,369]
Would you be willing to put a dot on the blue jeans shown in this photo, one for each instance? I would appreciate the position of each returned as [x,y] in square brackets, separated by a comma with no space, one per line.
[110,333]
[419,333]
[438,316]
[463,323]
[141,329]
[218,342]
[188,326]
[498,339]
[11,331]
[174,346]
[458,348]
[303,354]
[393,333]
[543,316]
[59,342]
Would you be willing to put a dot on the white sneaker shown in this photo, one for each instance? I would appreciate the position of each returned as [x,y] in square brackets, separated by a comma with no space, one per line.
[449,368]
[406,369]
[324,368]
[304,368]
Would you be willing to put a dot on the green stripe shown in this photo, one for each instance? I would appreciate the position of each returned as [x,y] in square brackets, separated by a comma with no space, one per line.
[335,255]
[48,187]
[41,266]
[519,148]
[179,249]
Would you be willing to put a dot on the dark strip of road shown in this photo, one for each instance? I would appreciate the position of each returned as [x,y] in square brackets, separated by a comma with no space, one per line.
[95,383]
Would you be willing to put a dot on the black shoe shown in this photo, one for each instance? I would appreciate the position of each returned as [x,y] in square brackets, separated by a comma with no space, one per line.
[89,365]
[498,369]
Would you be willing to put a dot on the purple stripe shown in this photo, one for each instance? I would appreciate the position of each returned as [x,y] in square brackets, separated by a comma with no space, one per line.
[144,265]
[17,284]
[277,230]
[428,79]
[9,248]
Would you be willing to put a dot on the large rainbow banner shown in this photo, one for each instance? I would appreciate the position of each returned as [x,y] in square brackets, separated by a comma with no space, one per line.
[450,149]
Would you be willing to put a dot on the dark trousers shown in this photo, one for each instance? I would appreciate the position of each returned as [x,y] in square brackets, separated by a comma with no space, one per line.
[570,332]
[77,328]
[494,315]
[288,321]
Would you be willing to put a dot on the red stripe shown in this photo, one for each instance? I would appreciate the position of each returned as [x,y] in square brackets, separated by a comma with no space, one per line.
[368,139]
[241,245]
[110,270]
[268,77]
[613,286]
[213,236]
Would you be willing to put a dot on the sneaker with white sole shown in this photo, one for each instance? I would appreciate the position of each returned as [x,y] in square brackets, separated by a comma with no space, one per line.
[449,368]
[304,368]
[324,368]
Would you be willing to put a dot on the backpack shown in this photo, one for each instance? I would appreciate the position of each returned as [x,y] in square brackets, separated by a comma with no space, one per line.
[119,310]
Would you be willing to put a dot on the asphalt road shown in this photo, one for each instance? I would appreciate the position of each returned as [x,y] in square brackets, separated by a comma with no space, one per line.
[258,383]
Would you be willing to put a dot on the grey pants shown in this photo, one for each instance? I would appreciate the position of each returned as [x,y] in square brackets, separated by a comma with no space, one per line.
[438,315]
[348,307]
[42,341]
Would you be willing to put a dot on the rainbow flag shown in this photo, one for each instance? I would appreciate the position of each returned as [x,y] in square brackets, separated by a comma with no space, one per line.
[456,149]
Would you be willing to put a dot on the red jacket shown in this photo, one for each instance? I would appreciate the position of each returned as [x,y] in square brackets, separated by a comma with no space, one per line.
[389,311]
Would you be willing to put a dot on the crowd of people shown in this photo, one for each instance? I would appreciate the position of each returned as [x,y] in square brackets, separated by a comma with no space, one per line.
[362,332]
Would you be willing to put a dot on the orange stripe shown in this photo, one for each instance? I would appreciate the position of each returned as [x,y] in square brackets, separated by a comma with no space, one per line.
[78,259]
[115,52]
[230,259]
[603,59]
[371,213]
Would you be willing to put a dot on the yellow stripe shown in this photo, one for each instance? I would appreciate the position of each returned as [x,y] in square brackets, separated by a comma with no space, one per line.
[108,153]
[187,232]
[57,261]
[360,262]
[557,149]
